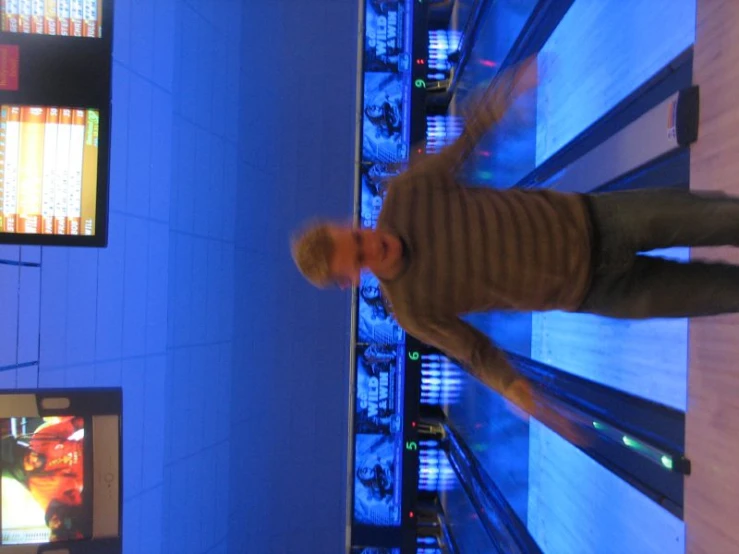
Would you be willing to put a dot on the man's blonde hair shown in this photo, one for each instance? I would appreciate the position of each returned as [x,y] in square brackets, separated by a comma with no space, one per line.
[312,250]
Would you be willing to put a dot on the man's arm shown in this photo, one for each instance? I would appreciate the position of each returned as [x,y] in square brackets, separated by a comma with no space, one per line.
[475,351]
[54,432]
[483,360]
[489,109]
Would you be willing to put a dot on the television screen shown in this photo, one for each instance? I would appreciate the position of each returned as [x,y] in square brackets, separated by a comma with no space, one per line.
[73,18]
[44,492]
[385,126]
[379,402]
[375,322]
[48,170]
[385,47]
[377,480]
[375,179]
[374,550]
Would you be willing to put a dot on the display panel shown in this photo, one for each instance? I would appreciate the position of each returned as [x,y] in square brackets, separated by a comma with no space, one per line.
[72,18]
[48,170]
[377,480]
[378,459]
[385,129]
[379,402]
[385,45]
[375,179]
[376,324]
[43,489]
[60,465]
[374,550]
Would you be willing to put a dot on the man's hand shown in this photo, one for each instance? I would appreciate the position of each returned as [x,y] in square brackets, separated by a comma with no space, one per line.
[525,77]
[519,393]
[492,104]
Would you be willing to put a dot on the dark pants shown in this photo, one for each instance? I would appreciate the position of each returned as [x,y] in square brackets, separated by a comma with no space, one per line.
[630,285]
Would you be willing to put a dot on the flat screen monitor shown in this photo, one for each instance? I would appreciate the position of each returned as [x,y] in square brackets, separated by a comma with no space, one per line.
[379,403]
[386,46]
[375,322]
[377,479]
[60,473]
[49,171]
[385,128]
[43,480]
[55,121]
[378,446]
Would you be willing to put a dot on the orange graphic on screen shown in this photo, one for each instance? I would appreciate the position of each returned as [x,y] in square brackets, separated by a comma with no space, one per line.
[24,16]
[38,11]
[75,18]
[11,15]
[76,154]
[11,159]
[30,175]
[61,191]
[50,19]
[48,187]
[3,127]
[62,17]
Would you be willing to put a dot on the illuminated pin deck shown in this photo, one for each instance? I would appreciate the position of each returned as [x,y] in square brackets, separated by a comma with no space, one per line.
[442,130]
[441,380]
[441,44]
[435,474]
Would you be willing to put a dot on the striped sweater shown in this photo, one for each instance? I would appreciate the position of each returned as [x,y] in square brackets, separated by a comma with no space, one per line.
[476,249]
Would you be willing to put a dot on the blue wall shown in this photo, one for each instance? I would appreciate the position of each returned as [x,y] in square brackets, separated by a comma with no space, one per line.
[290,386]
[233,122]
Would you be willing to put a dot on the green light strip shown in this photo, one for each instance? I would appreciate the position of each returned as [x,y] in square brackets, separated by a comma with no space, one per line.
[645,450]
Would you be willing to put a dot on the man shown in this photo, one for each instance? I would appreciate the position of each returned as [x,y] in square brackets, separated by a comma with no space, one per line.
[53,462]
[65,521]
[377,479]
[442,250]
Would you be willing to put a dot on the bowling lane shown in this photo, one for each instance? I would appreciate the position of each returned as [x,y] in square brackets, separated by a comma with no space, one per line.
[503,22]
[572,503]
[644,358]
[568,502]
[463,522]
[577,506]
[498,438]
[600,52]
[508,153]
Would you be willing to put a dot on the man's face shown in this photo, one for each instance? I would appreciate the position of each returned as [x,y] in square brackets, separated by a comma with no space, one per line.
[32,461]
[55,523]
[357,249]
[375,111]
[366,473]
[370,292]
